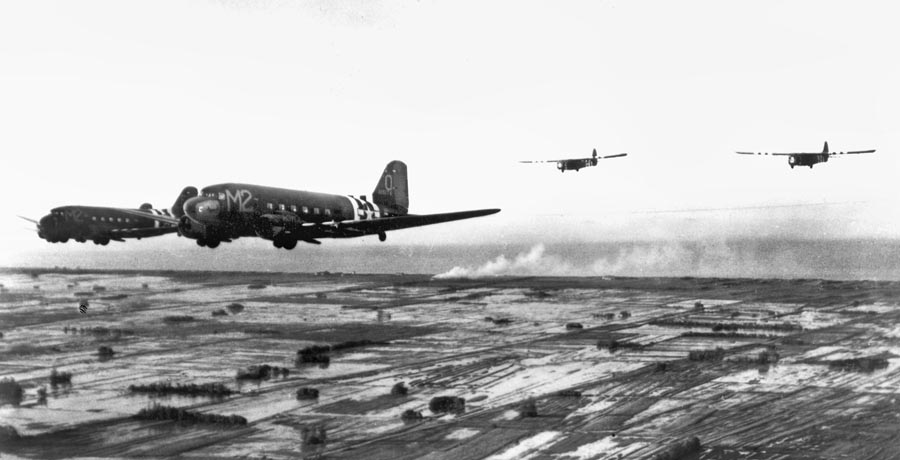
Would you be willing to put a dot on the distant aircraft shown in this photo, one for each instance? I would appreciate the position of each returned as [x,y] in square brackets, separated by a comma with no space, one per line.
[101,224]
[576,163]
[223,212]
[809,158]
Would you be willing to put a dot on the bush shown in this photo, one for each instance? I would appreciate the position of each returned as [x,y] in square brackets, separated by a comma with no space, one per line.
[8,433]
[570,326]
[235,308]
[219,312]
[10,391]
[42,396]
[307,393]
[681,449]
[528,408]
[444,404]
[625,315]
[698,306]
[105,352]
[613,345]
[60,378]
[569,393]
[707,355]
[314,435]
[410,415]
[399,389]
[261,372]
[178,319]
[861,364]
[160,412]
[256,286]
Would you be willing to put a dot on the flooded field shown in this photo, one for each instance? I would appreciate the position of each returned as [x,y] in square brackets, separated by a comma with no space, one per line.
[349,366]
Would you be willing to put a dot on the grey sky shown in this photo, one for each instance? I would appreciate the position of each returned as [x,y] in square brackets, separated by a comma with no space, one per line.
[119,103]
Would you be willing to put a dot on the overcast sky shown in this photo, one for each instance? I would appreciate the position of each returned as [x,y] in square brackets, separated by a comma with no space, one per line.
[119,103]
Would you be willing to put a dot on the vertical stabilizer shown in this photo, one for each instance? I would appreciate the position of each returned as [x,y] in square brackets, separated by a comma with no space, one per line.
[392,192]
[825,150]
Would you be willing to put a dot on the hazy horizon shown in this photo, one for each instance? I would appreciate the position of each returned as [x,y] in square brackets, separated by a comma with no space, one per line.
[825,259]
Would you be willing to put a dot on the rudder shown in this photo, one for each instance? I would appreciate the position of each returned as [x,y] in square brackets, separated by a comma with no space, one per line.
[392,191]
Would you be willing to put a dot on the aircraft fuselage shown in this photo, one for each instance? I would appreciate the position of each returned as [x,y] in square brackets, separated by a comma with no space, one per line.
[575,164]
[226,211]
[807,159]
[100,224]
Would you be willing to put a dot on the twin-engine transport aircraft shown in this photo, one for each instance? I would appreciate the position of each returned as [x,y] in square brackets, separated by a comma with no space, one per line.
[224,212]
[101,224]
[808,158]
[576,163]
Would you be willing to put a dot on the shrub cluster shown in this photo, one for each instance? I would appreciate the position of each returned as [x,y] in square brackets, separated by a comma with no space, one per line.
[98,331]
[178,318]
[189,389]
[307,393]
[707,355]
[528,408]
[256,286]
[443,404]
[410,415]
[60,378]
[318,354]
[613,345]
[262,372]
[679,450]
[234,308]
[861,364]
[498,321]
[160,412]
[399,389]
[569,393]
[312,435]
[624,315]
[606,316]
[10,391]
[219,312]
[571,326]
[105,352]
[724,326]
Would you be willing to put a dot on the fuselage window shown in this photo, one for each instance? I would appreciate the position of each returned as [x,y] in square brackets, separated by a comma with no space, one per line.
[120,219]
[281,207]
[269,206]
[316,211]
[94,218]
[221,195]
[294,208]
[305,210]
[327,212]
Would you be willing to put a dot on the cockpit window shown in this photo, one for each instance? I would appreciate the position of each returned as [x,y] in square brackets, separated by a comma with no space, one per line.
[221,195]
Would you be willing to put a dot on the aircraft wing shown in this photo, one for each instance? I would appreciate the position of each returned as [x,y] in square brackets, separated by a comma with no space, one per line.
[373,226]
[853,152]
[613,156]
[777,154]
[165,219]
[541,161]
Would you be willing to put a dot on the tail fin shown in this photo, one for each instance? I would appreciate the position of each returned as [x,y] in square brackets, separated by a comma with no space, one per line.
[825,150]
[595,153]
[186,194]
[392,190]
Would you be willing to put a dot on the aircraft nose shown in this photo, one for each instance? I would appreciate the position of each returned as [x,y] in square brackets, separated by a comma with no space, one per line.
[201,208]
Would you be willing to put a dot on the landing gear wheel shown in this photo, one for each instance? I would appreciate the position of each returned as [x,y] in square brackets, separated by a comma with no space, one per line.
[64,240]
[201,242]
[382,236]
[103,242]
[80,240]
[277,243]
[212,244]
[290,244]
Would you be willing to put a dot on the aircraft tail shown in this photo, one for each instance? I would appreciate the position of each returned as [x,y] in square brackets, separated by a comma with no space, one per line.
[186,194]
[392,191]
[825,150]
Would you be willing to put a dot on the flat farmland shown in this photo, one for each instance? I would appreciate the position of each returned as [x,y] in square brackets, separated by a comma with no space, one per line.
[543,368]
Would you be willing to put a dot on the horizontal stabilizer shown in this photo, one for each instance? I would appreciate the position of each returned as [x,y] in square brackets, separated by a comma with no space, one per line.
[29,220]
[618,155]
